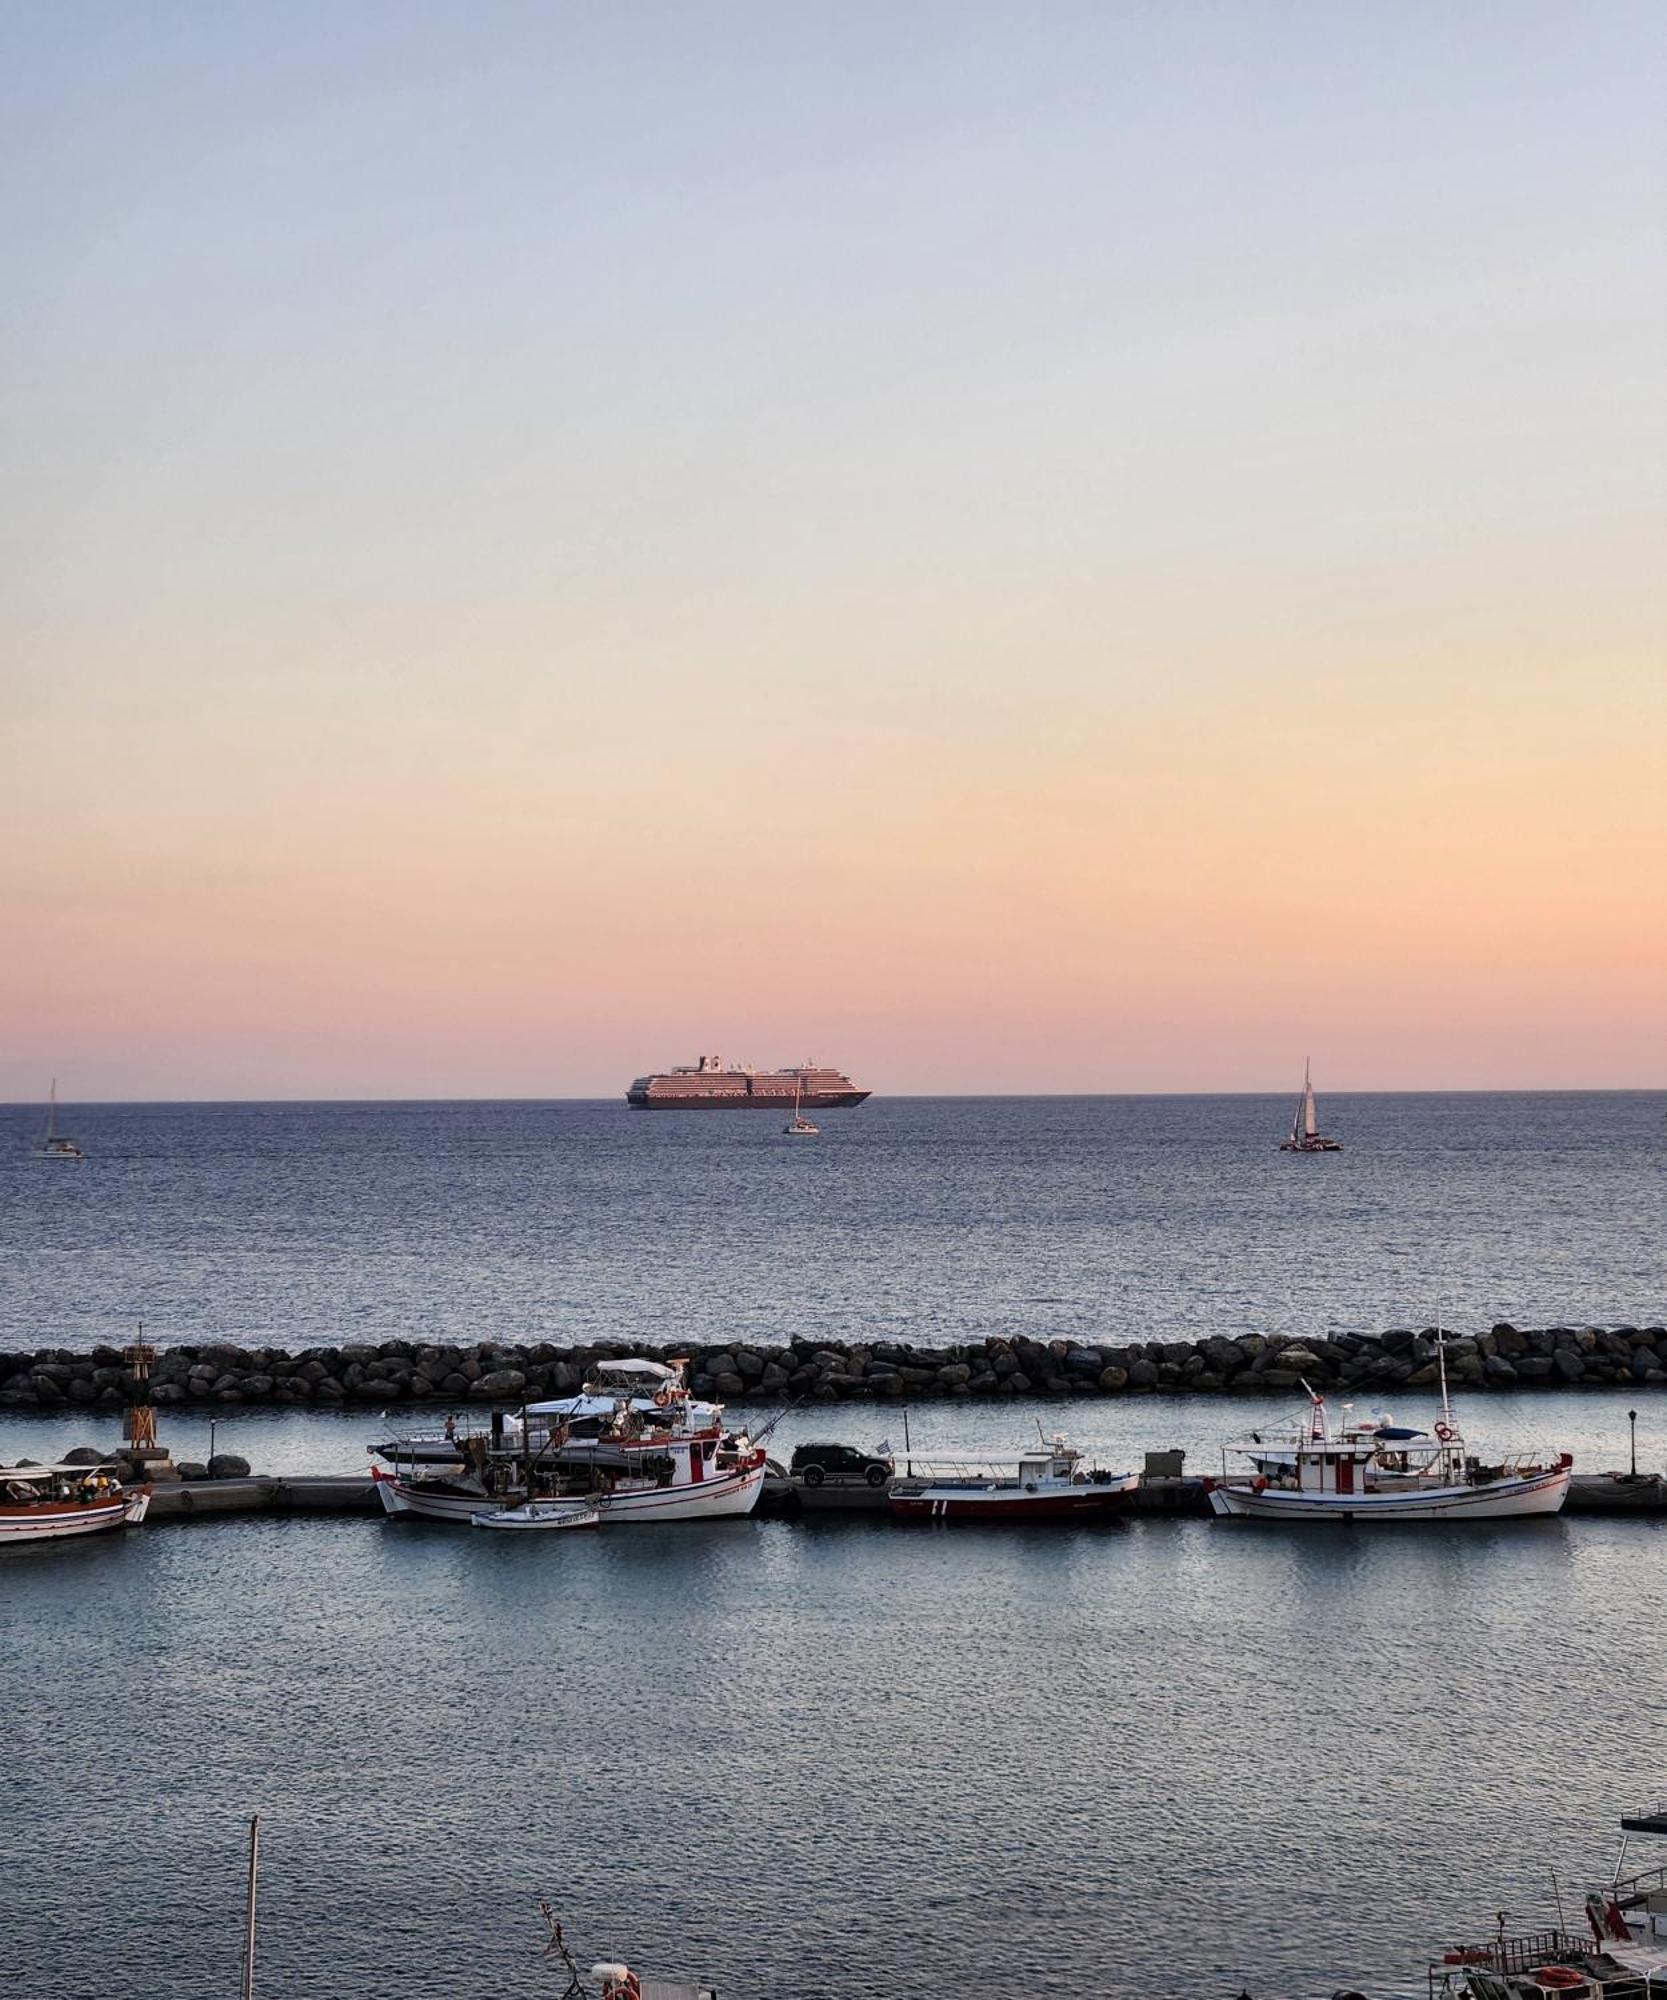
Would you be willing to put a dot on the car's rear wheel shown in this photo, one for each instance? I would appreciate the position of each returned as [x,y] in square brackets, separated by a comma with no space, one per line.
[814,1475]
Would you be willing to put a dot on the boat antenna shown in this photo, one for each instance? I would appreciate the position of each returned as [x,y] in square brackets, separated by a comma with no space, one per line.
[249,1912]
[1562,1921]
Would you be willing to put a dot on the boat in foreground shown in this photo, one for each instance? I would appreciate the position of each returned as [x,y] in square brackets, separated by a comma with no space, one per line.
[634,1444]
[1051,1483]
[41,1503]
[540,1514]
[1380,1472]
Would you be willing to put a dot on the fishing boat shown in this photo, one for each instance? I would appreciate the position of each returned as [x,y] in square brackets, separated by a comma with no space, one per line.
[634,1444]
[799,1126]
[40,1503]
[1306,1136]
[1382,1472]
[56,1145]
[1051,1483]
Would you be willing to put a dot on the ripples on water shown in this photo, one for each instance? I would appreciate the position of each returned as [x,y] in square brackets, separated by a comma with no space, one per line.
[837,1760]
[927,1219]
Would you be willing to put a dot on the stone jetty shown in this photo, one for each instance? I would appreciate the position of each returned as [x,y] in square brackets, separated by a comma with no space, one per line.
[397,1372]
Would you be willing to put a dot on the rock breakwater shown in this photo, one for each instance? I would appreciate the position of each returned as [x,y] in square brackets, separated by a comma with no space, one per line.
[410,1372]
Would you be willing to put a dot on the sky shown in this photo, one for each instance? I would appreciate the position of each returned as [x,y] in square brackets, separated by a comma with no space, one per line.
[1079,547]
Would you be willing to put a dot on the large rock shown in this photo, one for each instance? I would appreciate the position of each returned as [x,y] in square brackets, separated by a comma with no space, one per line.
[227,1465]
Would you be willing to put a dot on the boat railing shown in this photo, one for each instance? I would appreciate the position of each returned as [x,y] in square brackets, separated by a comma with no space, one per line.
[1507,1957]
[1636,1887]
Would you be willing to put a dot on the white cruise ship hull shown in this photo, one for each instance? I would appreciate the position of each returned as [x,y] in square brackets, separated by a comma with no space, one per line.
[1497,1500]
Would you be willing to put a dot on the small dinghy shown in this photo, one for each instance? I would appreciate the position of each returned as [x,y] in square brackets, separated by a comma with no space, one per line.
[540,1514]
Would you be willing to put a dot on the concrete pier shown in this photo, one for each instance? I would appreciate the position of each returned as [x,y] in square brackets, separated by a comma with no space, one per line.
[209,1499]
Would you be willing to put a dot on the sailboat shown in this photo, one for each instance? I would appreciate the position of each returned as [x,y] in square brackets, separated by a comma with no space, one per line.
[1306,1136]
[54,1145]
[799,1126]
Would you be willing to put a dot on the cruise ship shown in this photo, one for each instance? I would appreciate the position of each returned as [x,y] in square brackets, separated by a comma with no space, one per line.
[711,1084]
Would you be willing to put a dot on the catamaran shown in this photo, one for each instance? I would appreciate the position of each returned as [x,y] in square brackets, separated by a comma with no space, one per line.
[54,1144]
[1306,1136]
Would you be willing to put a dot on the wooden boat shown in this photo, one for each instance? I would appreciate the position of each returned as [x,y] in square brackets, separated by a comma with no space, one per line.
[1382,1472]
[540,1514]
[41,1503]
[634,1443]
[1306,1136]
[54,1144]
[1049,1484]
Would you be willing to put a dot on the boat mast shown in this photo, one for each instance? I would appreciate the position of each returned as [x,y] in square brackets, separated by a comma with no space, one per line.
[1310,1124]
[52,1111]
[249,1914]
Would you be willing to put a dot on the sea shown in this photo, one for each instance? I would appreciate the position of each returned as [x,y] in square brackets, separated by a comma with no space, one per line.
[826,1759]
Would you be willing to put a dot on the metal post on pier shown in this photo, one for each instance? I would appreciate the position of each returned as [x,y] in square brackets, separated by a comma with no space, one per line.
[1632,1425]
[249,1913]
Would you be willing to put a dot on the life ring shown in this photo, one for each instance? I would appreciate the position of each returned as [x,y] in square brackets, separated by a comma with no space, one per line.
[662,1399]
[1557,1975]
[1446,1433]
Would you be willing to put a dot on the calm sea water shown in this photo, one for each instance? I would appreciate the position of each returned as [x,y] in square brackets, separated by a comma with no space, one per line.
[825,1761]
[929,1219]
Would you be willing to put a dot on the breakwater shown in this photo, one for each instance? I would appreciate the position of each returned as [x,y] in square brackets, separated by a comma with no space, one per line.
[405,1372]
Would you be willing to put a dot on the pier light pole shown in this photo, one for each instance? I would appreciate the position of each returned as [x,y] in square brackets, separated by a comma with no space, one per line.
[1632,1425]
[248,1988]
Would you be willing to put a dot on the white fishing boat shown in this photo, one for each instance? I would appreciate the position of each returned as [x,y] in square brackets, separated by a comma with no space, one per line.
[56,1145]
[1306,1136]
[541,1514]
[1382,1473]
[1051,1483]
[799,1126]
[634,1444]
[40,1503]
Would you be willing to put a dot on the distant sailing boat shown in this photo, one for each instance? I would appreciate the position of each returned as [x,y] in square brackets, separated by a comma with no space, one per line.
[53,1145]
[1306,1136]
[799,1126]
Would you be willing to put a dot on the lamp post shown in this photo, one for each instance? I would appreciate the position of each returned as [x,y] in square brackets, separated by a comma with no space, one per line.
[1632,1425]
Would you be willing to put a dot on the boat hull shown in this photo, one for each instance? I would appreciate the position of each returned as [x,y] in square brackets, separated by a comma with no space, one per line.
[1072,1503]
[724,1496]
[1498,1500]
[52,1520]
[778,1101]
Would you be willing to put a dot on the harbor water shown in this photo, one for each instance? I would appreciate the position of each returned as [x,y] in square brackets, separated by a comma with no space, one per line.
[931,1220]
[827,1759]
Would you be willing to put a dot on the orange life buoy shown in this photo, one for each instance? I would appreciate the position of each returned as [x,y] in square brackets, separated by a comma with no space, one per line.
[1557,1975]
[662,1399]
[1445,1433]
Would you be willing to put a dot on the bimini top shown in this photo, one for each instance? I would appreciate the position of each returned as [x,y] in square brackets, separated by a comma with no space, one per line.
[575,1409]
[653,1371]
[57,1471]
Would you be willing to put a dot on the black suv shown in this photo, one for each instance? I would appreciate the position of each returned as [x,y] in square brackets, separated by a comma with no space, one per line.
[840,1464]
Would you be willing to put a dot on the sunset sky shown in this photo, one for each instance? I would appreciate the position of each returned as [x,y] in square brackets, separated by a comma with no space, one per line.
[1076,547]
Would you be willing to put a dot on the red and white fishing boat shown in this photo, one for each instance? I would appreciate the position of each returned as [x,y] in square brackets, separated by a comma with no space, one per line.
[1051,1483]
[40,1503]
[1382,1472]
[633,1443]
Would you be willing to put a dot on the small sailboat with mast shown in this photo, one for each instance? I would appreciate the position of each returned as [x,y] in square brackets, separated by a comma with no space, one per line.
[56,1145]
[1306,1136]
[799,1126]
